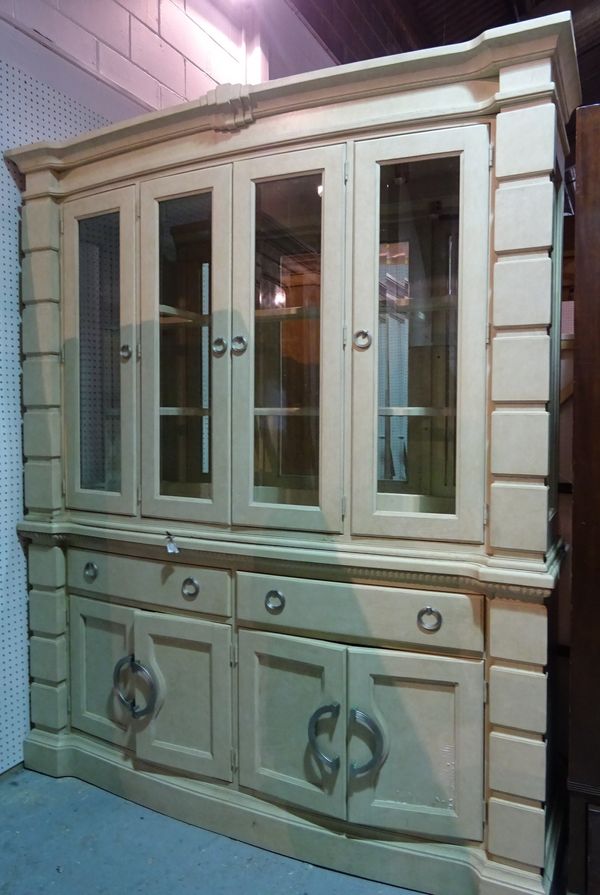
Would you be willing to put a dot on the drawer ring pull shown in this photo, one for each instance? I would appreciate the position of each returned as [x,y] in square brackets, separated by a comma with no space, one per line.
[429,619]
[332,763]
[275,602]
[90,571]
[190,588]
[135,667]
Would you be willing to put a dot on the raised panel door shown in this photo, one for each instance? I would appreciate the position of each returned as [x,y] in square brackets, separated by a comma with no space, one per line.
[422,718]
[403,751]
[190,727]
[101,635]
[292,720]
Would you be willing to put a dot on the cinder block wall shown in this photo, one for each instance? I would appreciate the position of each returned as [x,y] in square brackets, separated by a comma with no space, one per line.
[160,52]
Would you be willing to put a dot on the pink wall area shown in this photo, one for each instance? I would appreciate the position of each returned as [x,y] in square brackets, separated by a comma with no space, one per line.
[164,52]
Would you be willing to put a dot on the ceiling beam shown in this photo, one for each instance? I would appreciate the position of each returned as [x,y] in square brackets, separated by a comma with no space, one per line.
[354,29]
[406,27]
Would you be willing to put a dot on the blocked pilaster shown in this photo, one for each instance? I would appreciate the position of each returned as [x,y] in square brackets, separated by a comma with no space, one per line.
[522,313]
[48,645]
[517,656]
[42,350]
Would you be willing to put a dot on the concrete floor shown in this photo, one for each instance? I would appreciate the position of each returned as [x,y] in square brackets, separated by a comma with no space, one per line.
[64,836]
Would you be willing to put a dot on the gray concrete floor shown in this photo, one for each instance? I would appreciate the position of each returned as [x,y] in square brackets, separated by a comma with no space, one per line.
[64,836]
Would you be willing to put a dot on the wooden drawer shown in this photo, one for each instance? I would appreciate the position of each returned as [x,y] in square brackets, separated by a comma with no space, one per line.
[361,612]
[150,582]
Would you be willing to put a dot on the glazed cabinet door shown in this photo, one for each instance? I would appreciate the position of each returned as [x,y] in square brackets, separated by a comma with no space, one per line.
[100,351]
[288,274]
[190,727]
[101,636]
[186,295]
[418,336]
[416,743]
[292,724]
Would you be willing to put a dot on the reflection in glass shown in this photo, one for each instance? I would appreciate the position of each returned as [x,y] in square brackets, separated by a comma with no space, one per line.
[287,340]
[99,362]
[418,302]
[185,328]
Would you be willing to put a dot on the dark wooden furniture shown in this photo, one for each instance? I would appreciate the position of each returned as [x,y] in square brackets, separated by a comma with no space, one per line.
[584,758]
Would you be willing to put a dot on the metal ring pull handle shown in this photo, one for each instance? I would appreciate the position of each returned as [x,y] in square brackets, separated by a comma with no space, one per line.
[90,571]
[118,669]
[362,339]
[219,347]
[274,602]
[136,668]
[238,345]
[190,588]
[125,352]
[429,619]
[380,752]
[331,763]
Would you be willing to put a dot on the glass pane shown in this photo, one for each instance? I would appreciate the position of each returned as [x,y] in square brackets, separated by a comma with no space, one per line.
[99,361]
[185,333]
[418,303]
[287,340]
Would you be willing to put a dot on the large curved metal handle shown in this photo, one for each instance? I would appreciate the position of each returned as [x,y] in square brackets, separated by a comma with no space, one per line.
[148,678]
[331,763]
[380,751]
[121,695]
[136,668]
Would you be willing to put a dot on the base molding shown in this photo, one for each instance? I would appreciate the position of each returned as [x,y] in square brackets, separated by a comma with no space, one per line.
[436,868]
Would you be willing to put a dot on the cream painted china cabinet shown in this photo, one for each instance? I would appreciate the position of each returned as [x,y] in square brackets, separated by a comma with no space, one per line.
[290,415]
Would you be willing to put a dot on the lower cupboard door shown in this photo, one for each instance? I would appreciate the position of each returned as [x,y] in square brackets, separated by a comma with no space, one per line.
[101,638]
[189,676]
[293,720]
[415,743]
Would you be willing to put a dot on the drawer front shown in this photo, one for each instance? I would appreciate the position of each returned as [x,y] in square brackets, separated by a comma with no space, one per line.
[427,619]
[172,585]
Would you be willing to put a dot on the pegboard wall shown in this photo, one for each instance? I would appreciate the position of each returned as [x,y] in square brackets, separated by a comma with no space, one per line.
[99,361]
[29,110]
